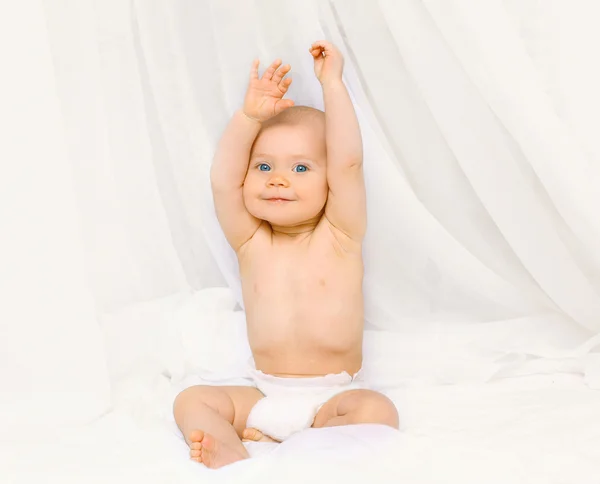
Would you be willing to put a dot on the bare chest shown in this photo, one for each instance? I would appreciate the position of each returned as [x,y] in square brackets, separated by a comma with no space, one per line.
[304,283]
[299,272]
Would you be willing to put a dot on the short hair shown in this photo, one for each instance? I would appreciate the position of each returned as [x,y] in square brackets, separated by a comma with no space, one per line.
[294,116]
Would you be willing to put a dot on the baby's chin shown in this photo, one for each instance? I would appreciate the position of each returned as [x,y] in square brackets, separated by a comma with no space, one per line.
[284,220]
[294,225]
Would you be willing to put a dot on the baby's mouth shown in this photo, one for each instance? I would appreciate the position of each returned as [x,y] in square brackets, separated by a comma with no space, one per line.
[276,198]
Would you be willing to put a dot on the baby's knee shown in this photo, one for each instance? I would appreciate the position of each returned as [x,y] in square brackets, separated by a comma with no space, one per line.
[377,408]
[196,398]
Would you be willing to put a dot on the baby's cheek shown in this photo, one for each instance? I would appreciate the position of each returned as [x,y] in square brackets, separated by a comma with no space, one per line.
[247,191]
[250,183]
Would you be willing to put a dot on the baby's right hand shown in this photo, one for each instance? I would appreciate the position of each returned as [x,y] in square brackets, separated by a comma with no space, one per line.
[264,97]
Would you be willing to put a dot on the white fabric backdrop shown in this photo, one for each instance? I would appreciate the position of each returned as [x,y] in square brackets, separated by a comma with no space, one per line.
[481,154]
[53,370]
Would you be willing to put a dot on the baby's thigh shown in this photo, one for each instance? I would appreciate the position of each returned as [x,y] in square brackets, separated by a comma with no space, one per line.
[357,406]
[233,403]
[243,400]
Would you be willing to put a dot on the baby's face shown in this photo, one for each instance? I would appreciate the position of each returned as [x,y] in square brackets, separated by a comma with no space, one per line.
[286,183]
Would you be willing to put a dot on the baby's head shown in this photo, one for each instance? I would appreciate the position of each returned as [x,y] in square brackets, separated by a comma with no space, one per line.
[286,182]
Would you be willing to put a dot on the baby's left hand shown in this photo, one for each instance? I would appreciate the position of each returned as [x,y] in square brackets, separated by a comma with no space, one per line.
[329,62]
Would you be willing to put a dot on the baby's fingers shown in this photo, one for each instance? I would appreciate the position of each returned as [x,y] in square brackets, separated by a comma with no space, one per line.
[322,45]
[284,85]
[281,72]
[268,74]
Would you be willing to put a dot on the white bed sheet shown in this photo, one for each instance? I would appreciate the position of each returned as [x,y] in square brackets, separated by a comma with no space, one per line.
[533,429]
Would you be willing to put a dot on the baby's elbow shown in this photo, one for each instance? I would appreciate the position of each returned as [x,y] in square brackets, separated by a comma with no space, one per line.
[355,164]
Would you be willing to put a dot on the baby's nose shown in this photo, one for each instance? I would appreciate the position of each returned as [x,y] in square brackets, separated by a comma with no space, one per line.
[278,181]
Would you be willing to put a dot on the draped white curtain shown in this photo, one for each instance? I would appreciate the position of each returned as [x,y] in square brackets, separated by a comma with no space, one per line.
[479,120]
[53,370]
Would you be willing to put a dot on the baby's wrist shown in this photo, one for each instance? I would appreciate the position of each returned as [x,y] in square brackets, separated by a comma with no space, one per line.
[251,118]
[332,83]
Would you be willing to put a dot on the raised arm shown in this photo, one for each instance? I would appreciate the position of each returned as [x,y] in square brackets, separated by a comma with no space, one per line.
[346,204]
[228,171]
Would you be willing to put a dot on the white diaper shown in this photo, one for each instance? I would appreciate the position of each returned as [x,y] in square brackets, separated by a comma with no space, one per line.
[290,404]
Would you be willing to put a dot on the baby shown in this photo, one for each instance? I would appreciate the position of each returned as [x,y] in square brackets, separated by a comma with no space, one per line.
[289,194]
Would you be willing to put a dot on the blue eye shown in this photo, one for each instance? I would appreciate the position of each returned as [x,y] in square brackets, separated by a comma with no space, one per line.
[264,167]
[300,168]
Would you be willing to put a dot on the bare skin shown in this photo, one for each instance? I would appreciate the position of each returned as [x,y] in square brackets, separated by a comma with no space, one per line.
[295,213]
[303,298]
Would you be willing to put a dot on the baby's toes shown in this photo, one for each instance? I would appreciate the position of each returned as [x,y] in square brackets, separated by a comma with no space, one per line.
[196,435]
[252,434]
[196,445]
[195,449]
[196,455]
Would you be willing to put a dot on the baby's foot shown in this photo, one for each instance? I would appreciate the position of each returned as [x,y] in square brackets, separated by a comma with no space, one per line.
[212,453]
[255,436]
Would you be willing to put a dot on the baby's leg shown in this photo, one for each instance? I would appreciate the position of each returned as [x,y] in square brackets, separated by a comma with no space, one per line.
[212,419]
[355,407]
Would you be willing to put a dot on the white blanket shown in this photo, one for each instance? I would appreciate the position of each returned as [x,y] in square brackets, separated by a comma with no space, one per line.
[537,429]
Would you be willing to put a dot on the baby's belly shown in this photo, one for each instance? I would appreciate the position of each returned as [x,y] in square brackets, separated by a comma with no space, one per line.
[306,319]
[306,346]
